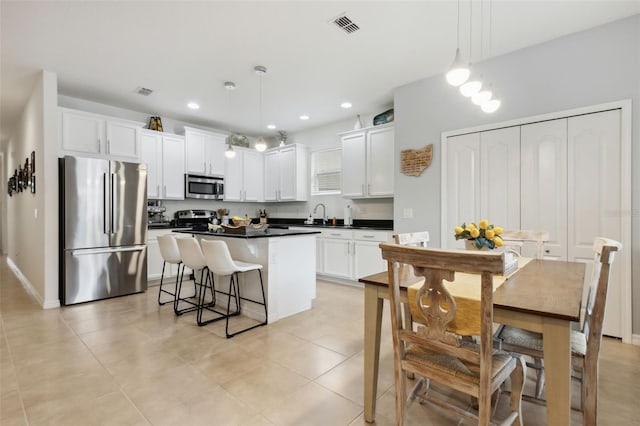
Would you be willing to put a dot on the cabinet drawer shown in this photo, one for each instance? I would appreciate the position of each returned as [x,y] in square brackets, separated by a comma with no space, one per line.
[380,236]
[338,233]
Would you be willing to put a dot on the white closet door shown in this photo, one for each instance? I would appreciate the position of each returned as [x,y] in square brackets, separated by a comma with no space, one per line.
[463,185]
[595,197]
[544,184]
[500,177]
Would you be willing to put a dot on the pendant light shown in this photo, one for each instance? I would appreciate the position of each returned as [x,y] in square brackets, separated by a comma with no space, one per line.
[459,71]
[229,153]
[491,104]
[473,85]
[261,144]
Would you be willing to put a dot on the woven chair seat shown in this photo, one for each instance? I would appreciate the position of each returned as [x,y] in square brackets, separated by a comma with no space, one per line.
[532,340]
[455,366]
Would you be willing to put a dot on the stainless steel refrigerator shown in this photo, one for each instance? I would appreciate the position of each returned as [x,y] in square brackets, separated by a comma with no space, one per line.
[103,229]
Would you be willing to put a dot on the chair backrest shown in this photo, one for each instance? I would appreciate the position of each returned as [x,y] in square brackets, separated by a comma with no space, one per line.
[169,248]
[218,257]
[519,236]
[604,254]
[191,253]
[437,305]
[414,239]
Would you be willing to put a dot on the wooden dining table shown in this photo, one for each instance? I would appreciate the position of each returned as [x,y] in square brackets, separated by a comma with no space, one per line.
[544,296]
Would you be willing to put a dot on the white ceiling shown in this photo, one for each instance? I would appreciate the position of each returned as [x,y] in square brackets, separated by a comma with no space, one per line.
[185,51]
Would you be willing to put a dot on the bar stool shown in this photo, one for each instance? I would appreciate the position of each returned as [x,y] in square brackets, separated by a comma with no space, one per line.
[170,254]
[191,255]
[220,263]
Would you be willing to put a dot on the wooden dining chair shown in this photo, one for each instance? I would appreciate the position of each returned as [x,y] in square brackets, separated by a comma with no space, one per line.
[411,239]
[585,343]
[434,354]
[516,238]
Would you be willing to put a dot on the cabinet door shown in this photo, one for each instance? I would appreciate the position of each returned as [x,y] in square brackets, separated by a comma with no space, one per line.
[195,161]
[380,161]
[463,185]
[353,165]
[367,259]
[253,172]
[500,177]
[82,133]
[122,139]
[271,176]
[233,176]
[544,184]
[151,154]
[337,257]
[154,260]
[214,147]
[594,186]
[288,175]
[173,167]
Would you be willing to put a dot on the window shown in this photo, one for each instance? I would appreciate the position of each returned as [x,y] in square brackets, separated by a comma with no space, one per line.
[326,171]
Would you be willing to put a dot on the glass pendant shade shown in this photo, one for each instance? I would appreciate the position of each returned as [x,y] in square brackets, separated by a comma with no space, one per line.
[491,105]
[481,97]
[229,153]
[470,88]
[261,144]
[459,72]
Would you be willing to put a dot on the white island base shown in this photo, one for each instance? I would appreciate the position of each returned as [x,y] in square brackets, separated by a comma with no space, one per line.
[289,273]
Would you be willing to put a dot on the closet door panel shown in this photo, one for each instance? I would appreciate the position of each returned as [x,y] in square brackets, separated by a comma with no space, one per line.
[500,177]
[594,149]
[463,184]
[544,184]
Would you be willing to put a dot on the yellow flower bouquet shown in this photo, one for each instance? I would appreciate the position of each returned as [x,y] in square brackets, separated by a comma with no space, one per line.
[483,234]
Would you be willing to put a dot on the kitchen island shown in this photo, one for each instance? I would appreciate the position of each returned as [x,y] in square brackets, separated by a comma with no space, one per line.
[288,258]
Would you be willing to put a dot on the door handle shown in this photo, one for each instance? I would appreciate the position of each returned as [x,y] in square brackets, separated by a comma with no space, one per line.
[98,145]
[113,201]
[108,145]
[105,203]
[105,250]
[164,190]
[158,189]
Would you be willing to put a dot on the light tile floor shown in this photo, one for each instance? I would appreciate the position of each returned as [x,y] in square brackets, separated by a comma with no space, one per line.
[128,361]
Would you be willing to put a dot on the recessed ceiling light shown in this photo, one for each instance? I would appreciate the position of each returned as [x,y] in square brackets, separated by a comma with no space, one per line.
[304,117]
[346,105]
[193,105]
[271,126]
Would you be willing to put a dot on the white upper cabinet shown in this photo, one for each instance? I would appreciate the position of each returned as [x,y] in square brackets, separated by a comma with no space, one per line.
[204,152]
[243,176]
[97,135]
[164,155]
[285,174]
[367,163]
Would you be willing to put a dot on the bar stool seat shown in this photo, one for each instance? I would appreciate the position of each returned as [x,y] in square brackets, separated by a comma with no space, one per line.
[220,263]
[192,258]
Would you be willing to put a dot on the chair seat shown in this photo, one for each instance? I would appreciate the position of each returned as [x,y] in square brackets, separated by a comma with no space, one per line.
[456,367]
[245,267]
[532,340]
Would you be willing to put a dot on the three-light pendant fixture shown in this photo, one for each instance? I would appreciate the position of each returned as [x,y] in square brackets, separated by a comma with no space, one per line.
[459,74]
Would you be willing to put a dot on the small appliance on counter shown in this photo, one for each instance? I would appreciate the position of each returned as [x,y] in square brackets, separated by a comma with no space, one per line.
[155,213]
[348,217]
[197,219]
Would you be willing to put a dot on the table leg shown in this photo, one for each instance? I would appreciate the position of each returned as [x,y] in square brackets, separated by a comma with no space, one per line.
[372,328]
[557,365]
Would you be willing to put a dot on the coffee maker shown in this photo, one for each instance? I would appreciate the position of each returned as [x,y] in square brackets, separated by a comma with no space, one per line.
[155,212]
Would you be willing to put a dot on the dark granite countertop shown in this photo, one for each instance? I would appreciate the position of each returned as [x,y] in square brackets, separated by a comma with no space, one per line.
[269,233]
[381,225]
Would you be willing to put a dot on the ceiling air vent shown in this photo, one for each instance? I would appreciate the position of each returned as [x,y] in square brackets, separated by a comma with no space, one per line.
[345,24]
[143,91]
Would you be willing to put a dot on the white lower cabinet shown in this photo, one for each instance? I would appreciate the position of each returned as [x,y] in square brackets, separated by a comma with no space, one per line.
[155,260]
[349,254]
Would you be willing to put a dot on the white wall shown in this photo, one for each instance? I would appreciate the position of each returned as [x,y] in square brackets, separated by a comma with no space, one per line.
[587,68]
[31,219]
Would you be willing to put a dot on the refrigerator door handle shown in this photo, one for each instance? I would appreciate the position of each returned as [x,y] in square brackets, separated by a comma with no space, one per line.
[106,250]
[105,204]
[114,201]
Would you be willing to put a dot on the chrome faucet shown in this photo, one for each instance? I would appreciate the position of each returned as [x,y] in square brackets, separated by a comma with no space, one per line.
[324,212]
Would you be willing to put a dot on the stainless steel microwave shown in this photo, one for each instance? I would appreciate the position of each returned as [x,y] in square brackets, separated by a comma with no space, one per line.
[204,187]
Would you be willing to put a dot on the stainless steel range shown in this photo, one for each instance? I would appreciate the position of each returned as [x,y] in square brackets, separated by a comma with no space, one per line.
[197,219]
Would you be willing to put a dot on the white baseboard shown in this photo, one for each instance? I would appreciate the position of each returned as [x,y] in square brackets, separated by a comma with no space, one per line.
[46,304]
[635,339]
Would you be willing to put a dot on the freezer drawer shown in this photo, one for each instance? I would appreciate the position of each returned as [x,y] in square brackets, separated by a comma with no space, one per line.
[92,274]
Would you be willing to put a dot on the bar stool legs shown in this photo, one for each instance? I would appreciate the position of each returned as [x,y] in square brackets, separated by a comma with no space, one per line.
[233,283]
